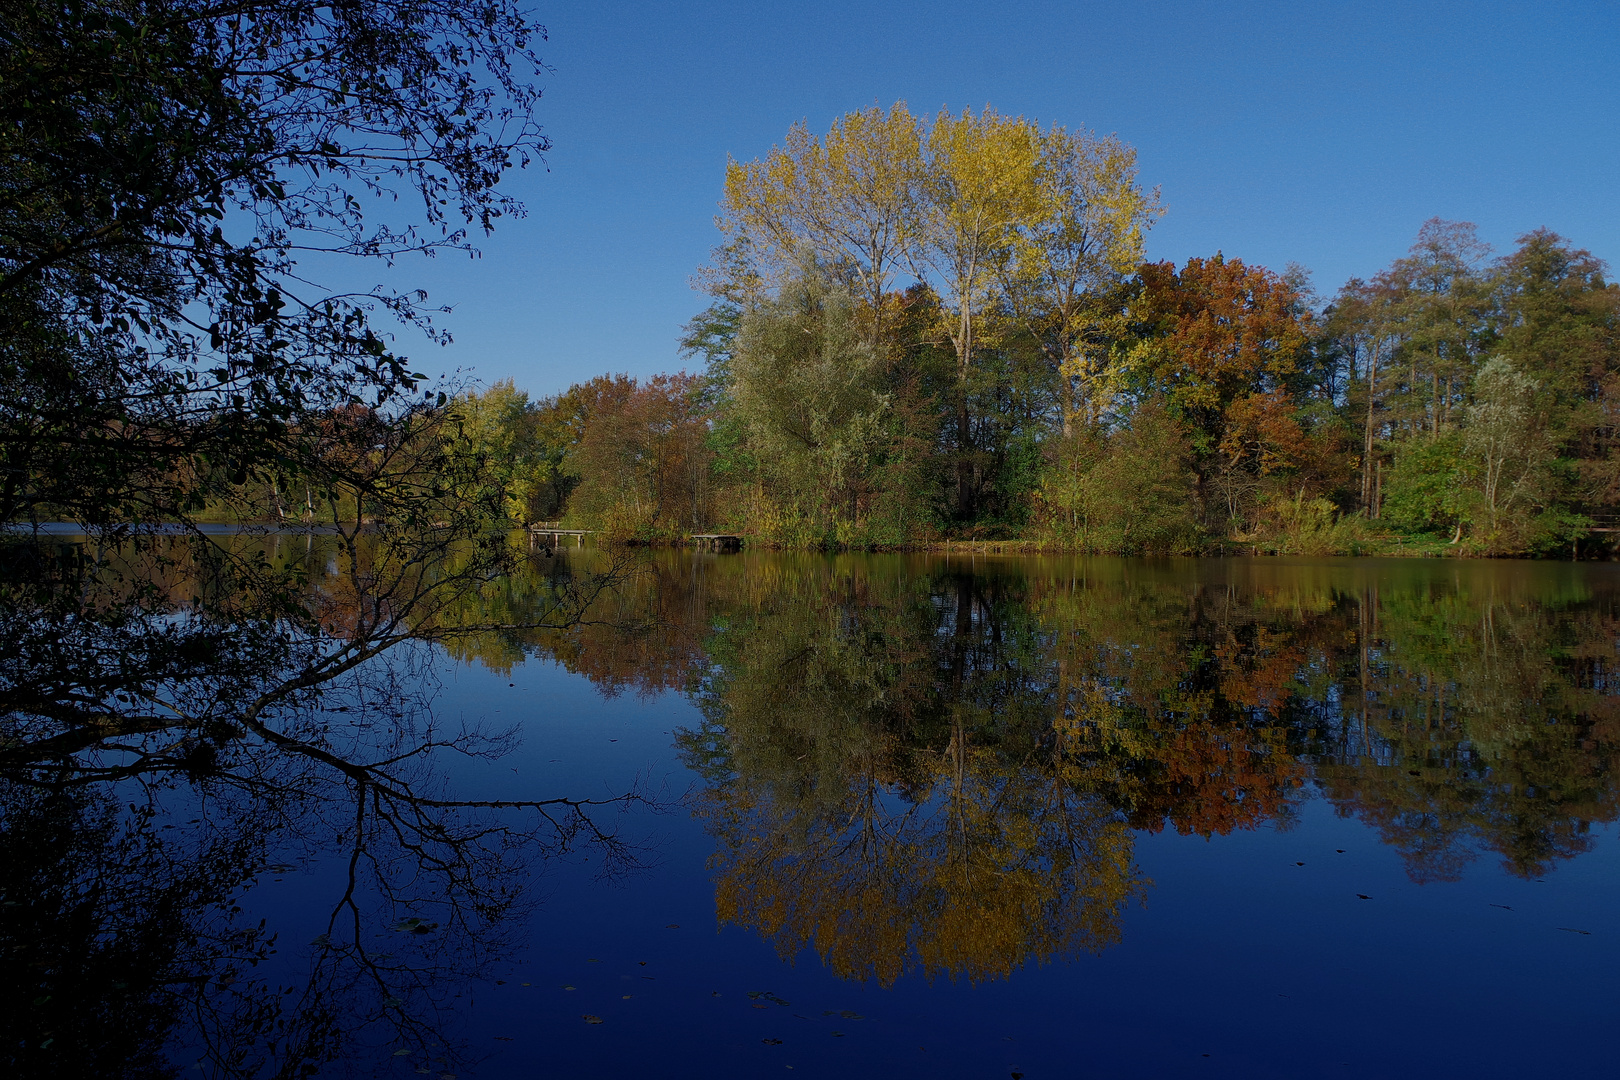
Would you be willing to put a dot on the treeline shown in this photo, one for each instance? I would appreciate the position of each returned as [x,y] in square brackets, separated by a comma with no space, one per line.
[946,328]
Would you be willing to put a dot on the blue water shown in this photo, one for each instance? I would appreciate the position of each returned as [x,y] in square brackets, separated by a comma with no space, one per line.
[1240,963]
[1300,943]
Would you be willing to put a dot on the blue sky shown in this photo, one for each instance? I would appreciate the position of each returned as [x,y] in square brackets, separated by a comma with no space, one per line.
[1321,133]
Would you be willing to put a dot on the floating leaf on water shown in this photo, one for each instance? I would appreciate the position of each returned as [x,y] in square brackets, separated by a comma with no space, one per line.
[768,996]
[838,1034]
[565,987]
[593,961]
[393,1002]
[1362,896]
[848,1015]
[672,926]
[402,1053]
[589,1019]
[1572,930]
[414,925]
[771,1042]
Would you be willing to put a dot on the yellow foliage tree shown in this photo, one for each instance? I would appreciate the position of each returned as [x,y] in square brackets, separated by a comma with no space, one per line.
[979,191]
[848,199]
[1071,260]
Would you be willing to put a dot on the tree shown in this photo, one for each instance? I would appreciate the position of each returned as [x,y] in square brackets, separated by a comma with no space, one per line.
[499,429]
[807,389]
[1066,279]
[1222,340]
[1439,295]
[167,164]
[642,459]
[1506,452]
[849,200]
[978,191]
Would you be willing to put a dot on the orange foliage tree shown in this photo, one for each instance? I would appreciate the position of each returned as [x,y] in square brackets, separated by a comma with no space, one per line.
[1222,340]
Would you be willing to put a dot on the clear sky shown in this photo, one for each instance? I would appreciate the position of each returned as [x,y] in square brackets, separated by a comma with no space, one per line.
[1322,133]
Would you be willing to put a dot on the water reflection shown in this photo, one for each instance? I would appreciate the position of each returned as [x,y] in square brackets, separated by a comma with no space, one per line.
[184,717]
[910,764]
[906,765]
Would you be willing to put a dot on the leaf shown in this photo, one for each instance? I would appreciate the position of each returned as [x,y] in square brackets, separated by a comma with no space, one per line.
[589,1019]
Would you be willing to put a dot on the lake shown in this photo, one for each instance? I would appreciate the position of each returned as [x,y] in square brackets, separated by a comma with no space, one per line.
[897,815]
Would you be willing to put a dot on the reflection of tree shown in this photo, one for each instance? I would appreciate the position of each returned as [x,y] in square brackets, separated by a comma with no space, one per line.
[887,745]
[1481,716]
[98,932]
[193,674]
[861,812]
[124,948]
[995,868]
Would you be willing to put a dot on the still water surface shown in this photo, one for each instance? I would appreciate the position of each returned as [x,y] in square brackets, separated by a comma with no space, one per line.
[918,816]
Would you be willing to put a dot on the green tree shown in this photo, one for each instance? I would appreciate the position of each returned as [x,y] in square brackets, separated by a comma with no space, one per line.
[807,387]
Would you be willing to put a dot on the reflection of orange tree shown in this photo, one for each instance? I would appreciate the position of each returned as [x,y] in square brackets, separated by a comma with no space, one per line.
[1171,729]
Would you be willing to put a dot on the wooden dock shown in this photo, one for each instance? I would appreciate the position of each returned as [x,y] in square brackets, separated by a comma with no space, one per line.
[552,538]
[716,541]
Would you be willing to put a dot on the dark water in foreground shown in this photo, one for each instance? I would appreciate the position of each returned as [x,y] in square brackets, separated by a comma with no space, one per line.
[984,818]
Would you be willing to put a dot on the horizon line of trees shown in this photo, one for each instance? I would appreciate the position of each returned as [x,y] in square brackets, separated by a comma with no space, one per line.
[925,328]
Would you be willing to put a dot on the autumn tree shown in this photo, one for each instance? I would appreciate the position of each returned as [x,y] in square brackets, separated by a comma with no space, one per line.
[978,191]
[1222,340]
[642,460]
[1066,280]
[849,199]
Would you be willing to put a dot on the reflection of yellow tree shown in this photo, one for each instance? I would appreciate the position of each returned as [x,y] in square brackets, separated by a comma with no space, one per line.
[1001,864]
[864,811]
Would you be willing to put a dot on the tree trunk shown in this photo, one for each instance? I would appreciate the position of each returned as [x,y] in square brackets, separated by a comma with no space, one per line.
[964,431]
[1367,456]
